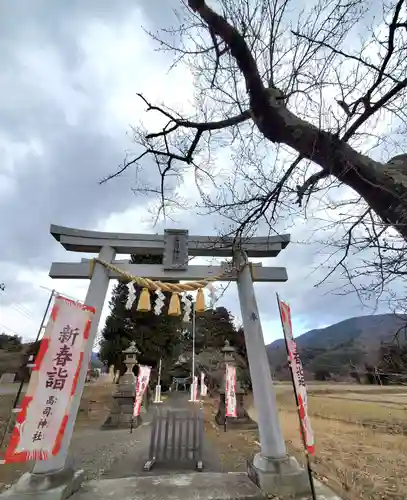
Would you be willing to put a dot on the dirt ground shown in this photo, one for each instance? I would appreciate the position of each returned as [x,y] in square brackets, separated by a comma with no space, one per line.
[360,432]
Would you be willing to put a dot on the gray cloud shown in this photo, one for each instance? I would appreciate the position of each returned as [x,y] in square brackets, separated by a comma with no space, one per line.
[55,146]
[63,151]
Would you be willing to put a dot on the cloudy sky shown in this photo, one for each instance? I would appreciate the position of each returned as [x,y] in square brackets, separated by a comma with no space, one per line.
[70,74]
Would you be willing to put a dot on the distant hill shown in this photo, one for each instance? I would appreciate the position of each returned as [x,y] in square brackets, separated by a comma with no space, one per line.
[354,341]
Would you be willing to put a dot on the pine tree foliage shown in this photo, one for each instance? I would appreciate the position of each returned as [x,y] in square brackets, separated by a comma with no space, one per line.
[213,327]
[156,336]
[165,337]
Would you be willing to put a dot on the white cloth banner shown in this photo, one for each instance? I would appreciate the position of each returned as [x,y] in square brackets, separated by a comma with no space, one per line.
[298,375]
[231,410]
[195,388]
[44,412]
[204,389]
[141,386]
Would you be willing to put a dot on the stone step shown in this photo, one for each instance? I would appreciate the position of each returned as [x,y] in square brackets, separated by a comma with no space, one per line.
[202,486]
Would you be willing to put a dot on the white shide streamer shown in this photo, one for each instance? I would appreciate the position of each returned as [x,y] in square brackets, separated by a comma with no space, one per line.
[159,302]
[187,308]
[212,295]
[132,295]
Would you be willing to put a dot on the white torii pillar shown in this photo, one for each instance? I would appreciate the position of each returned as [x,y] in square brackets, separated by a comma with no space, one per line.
[276,472]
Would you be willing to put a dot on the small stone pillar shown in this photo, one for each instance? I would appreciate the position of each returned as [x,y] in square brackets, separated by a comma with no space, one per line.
[242,421]
[121,413]
[112,373]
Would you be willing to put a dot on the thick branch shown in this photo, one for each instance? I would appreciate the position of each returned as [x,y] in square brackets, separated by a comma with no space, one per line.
[334,155]
[239,50]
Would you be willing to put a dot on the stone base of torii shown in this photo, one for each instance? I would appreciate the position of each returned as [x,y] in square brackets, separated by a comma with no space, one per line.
[272,469]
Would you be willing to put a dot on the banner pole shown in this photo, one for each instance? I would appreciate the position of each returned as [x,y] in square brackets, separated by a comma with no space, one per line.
[132,415]
[309,469]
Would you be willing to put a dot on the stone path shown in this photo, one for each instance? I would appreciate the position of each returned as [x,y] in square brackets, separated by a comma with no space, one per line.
[131,464]
[117,453]
[96,451]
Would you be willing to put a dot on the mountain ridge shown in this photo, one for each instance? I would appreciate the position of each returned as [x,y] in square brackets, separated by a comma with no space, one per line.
[353,342]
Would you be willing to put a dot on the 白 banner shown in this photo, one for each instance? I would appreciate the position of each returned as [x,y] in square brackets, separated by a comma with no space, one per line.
[141,386]
[195,388]
[41,421]
[298,375]
[204,389]
[231,410]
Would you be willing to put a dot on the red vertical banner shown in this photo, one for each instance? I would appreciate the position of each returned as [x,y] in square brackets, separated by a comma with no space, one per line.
[204,389]
[298,376]
[41,421]
[141,386]
[230,393]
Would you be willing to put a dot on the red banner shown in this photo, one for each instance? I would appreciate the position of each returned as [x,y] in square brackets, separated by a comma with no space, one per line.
[142,383]
[41,421]
[231,409]
[298,375]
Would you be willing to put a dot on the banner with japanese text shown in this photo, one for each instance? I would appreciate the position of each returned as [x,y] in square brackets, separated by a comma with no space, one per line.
[204,388]
[231,409]
[141,386]
[195,394]
[42,418]
[298,375]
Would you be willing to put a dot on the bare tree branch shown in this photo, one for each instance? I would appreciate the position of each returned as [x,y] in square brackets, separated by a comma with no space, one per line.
[302,117]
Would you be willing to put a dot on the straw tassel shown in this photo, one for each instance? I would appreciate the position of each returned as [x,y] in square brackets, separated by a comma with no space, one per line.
[91,268]
[174,308]
[200,301]
[144,303]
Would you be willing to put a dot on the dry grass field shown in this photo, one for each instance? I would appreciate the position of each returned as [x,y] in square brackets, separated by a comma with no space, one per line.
[360,432]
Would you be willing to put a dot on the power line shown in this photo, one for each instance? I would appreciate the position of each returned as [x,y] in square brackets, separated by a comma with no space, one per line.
[21,311]
[25,309]
[17,305]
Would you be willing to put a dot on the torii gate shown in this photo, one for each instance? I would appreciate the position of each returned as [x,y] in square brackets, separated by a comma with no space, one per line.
[272,466]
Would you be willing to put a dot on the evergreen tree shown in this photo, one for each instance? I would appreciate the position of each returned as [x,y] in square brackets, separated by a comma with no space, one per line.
[240,343]
[392,364]
[213,327]
[155,336]
[10,342]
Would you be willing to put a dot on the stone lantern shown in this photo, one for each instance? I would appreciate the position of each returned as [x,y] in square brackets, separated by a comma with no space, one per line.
[242,420]
[130,360]
[121,414]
